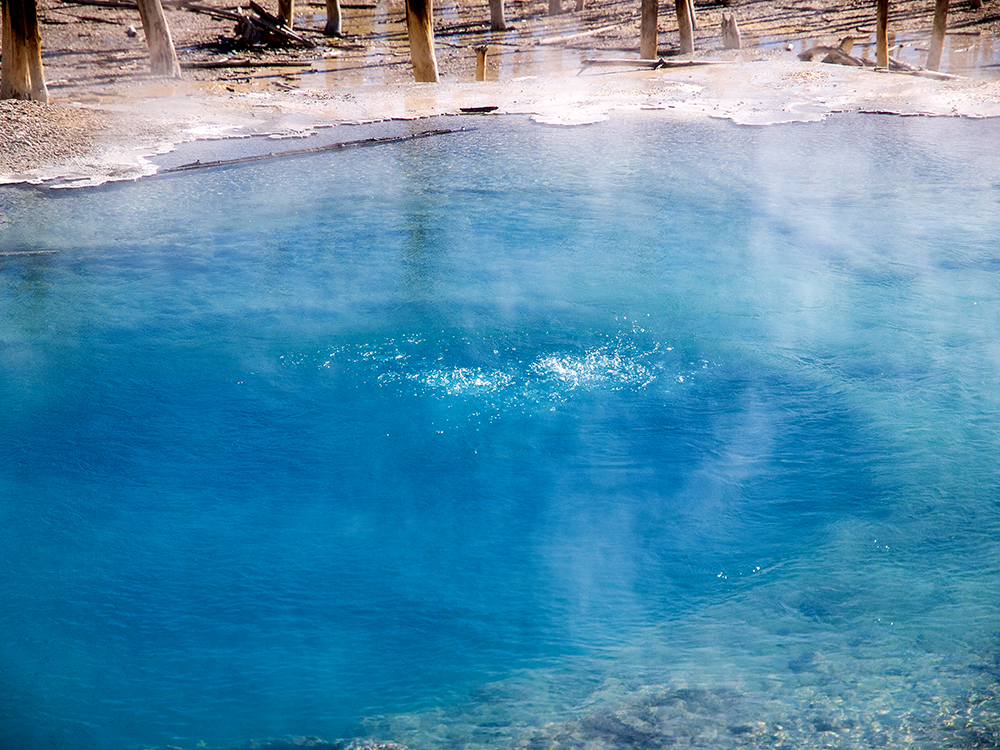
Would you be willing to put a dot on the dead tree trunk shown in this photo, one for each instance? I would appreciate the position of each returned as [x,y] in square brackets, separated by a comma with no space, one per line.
[882,34]
[685,24]
[498,20]
[555,7]
[937,36]
[22,76]
[647,29]
[162,57]
[286,12]
[420,28]
[333,20]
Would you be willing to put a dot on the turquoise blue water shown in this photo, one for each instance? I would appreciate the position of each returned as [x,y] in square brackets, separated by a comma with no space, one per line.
[641,434]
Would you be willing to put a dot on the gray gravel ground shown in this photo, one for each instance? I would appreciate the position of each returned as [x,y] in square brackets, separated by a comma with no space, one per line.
[34,134]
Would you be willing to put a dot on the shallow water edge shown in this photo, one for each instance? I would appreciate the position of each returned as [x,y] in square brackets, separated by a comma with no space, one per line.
[758,92]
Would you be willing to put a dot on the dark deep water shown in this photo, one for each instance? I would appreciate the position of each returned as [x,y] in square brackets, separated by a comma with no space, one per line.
[659,434]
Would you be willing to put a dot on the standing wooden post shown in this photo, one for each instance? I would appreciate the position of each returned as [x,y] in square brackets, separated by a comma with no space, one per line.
[480,62]
[420,28]
[647,29]
[333,21]
[882,34]
[22,76]
[937,36]
[162,58]
[730,32]
[685,24]
[286,12]
[498,21]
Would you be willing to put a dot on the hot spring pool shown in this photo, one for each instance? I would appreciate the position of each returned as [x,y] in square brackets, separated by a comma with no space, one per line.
[637,435]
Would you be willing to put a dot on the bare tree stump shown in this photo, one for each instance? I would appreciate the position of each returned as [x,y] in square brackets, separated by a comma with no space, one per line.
[162,57]
[333,20]
[480,62]
[498,20]
[22,76]
[581,5]
[685,25]
[730,32]
[555,7]
[647,29]
[286,12]
[937,35]
[420,29]
[882,34]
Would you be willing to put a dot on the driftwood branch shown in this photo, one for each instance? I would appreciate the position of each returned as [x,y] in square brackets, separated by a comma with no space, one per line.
[314,150]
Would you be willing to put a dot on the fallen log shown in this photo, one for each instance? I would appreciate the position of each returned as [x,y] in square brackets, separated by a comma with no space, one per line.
[314,150]
[650,63]
[123,4]
[834,55]
[348,6]
[213,12]
[221,64]
[901,67]
[83,17]
[569,37]
[837,56]
[472,27]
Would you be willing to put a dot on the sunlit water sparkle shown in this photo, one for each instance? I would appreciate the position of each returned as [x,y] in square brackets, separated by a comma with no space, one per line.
[634,435]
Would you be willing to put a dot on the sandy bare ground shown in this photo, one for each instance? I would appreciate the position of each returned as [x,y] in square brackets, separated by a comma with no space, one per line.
[107,113]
